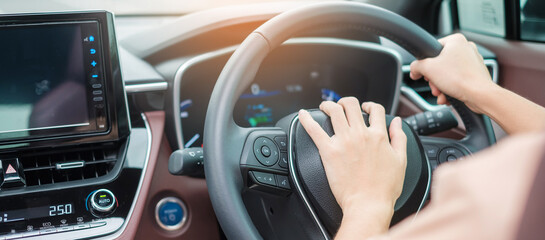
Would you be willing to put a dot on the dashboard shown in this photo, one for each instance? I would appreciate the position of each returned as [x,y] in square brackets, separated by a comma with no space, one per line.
[299,75]
[98,149]
[65,170]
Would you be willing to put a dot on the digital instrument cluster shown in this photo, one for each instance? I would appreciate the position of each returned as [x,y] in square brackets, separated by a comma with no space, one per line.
[275,94]
[297,75]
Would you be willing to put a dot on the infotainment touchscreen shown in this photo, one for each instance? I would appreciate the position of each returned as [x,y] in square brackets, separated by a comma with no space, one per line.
[51,80]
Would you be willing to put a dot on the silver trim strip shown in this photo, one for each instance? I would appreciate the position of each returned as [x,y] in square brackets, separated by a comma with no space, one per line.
[310,40]
[425,105]
[146,87]
[495,68]
[174,200]
[411,94]
[428,188]
[296,182]
[45,128]
[178,81]
[70,165]
[137,195]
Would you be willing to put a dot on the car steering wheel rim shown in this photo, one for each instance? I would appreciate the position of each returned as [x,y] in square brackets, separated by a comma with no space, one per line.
[224,140]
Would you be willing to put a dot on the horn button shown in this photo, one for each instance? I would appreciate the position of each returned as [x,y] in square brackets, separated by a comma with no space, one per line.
[311,174]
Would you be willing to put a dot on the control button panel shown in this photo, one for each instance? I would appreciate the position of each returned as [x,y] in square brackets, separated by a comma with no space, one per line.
[265,178]
[265,162]
[52,230]
[266,152]
[269,179]
[170,213]
[442,151]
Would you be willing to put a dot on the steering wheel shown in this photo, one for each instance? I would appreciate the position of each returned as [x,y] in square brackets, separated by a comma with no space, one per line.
[270,182]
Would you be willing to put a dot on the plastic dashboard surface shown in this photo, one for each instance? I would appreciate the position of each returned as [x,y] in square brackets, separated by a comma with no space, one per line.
[300,74]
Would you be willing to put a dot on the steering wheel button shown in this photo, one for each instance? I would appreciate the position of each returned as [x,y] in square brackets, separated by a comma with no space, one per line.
[282,181]
[431,151]
[282,143]
[283,163]
[264,178]
[450,154]
[266,151]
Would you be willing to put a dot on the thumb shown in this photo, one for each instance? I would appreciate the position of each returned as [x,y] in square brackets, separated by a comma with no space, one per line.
[398,139]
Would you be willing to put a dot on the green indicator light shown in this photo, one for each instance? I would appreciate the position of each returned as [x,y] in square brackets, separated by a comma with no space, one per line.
[102,196]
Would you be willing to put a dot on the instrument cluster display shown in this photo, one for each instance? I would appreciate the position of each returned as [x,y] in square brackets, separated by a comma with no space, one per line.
[292,77]
[277,92]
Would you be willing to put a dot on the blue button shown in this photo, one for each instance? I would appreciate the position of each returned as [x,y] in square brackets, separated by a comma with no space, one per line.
[93,51]
[171,214]
[91,39]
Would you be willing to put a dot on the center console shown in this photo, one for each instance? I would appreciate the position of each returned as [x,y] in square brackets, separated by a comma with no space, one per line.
[70,164]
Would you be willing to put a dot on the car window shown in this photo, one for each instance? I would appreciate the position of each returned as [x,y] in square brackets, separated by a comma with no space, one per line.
[532,20]
[483,16]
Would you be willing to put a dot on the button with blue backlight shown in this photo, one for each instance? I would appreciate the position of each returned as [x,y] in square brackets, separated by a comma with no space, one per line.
[170,213]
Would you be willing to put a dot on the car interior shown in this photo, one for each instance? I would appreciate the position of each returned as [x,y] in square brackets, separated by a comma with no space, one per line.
[178,119]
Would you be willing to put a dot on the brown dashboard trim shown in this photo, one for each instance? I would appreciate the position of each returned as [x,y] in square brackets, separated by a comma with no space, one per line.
[521,65]
[159,183]
[156,121]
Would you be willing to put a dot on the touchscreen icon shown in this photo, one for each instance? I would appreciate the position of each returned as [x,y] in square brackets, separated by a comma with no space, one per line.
[93,51]
[89,39]
[93,63]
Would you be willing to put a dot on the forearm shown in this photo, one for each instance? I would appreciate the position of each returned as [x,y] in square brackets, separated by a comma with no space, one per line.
[365,222]
[512,112]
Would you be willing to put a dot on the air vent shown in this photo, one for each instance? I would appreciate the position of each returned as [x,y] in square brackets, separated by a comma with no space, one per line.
[42,168]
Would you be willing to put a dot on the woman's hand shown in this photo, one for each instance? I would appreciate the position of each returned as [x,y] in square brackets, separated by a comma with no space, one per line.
[365,169]
[458,71]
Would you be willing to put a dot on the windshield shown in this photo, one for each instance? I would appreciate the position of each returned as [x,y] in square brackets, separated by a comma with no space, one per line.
[121,7]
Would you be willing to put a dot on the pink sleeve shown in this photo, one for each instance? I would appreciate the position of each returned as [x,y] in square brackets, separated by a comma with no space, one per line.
[474,198]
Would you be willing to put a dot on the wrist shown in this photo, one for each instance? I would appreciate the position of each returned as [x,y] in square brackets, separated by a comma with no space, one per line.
[480,97]
[365,220]
[379,210]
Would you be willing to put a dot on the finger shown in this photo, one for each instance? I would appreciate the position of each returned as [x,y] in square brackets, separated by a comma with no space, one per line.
[314,130]
[352,110]
[336,113]
[377,115]
[398,139]
[434,90]
[416,72]
[442,99]
[445,40]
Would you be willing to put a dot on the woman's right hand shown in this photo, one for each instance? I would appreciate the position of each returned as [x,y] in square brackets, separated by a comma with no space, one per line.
[458,71]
